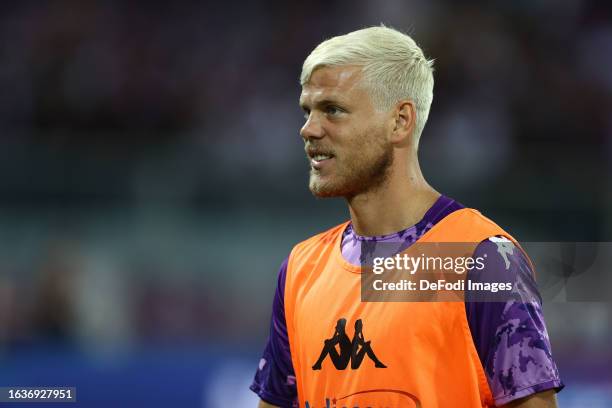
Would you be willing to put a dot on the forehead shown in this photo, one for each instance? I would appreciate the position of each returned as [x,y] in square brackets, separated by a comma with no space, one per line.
[340,82]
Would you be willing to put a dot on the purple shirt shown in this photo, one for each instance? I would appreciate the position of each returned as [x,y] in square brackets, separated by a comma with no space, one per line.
[510,337]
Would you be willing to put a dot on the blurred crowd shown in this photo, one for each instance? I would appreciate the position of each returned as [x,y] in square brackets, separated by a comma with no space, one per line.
[152,177]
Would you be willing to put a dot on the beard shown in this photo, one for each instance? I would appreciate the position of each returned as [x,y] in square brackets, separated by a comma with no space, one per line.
[354,175]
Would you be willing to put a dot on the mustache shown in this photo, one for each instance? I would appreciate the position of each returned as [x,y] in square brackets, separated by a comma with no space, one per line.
[313,150]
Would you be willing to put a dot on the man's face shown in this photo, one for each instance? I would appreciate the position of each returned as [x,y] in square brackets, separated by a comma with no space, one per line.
[345,137]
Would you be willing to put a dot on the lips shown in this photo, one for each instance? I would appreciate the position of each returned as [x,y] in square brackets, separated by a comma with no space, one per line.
[318,158]
[320,164]
[321,157]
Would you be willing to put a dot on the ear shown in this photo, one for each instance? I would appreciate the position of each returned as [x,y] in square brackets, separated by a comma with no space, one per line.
[405,117]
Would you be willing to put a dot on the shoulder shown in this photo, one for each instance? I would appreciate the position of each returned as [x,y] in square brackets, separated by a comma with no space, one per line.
[325,239]
[305,255]
[505,263]
[471,216]
[467,225]
[502,249]
[503,254]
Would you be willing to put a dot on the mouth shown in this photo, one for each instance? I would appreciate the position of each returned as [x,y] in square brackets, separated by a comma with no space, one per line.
[319,159]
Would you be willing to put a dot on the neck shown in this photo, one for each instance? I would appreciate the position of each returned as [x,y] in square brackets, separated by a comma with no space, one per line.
[400,202]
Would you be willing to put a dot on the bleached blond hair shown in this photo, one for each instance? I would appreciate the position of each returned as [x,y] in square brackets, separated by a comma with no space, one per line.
[393,68]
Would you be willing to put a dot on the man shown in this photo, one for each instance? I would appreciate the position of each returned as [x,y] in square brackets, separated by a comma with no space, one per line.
[366,97]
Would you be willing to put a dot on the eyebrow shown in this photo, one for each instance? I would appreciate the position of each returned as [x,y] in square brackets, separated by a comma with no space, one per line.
[322,103]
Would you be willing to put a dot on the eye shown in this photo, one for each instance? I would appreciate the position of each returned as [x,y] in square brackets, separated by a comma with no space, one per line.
[306,114]
[332,110]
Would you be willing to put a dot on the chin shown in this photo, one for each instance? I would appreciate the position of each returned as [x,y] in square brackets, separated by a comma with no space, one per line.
[322,190]
[324,193]
[326,190]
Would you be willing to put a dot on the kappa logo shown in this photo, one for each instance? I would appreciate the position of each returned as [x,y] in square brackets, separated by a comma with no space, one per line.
[353,351]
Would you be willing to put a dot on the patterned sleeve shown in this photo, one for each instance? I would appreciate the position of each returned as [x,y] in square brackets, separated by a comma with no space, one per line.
[275,378]
[510,334]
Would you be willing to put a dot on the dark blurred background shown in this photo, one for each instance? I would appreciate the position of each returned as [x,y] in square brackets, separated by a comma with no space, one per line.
[152,178]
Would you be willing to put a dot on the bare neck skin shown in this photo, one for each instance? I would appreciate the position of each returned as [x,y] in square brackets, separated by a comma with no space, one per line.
[397,204]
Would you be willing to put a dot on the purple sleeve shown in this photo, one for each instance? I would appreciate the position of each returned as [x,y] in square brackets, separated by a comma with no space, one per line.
[275,378]
[510,335]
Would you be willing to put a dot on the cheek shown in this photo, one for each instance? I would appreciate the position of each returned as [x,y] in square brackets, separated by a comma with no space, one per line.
[356,137]
[367,141]
[358,142]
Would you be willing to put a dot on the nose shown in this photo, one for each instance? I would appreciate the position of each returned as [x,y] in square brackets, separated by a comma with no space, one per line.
[312,129]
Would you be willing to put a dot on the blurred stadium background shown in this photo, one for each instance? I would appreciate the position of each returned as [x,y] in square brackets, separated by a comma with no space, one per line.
[152,178]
